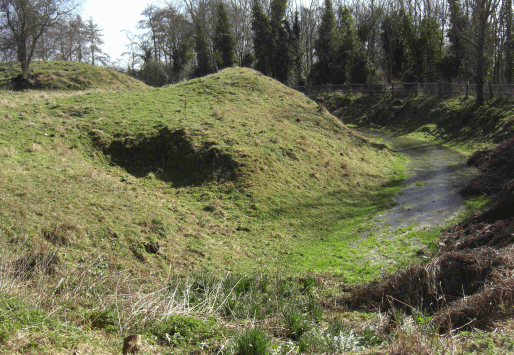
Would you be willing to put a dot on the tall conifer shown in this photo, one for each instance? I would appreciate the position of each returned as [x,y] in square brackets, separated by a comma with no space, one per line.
[324,47]
[223,40]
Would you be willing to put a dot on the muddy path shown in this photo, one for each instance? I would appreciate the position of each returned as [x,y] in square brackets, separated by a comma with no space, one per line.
[431,195]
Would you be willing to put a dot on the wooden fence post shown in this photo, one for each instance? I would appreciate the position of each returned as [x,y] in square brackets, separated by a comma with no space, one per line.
[467,90]
[416,88]
[392,90]
[440,88]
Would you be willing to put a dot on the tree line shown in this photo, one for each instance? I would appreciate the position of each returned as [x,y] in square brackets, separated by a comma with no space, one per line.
[321,42]
[327,42]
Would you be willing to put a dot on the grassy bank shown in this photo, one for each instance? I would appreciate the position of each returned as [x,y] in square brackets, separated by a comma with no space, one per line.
[456,122]
[464,290]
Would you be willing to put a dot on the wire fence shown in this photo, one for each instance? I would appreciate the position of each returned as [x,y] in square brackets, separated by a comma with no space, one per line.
[440,89]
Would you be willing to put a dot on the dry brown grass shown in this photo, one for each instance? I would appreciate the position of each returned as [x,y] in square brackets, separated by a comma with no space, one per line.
[9,152]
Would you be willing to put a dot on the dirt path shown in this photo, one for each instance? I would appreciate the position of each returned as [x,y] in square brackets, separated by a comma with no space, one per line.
[431,196]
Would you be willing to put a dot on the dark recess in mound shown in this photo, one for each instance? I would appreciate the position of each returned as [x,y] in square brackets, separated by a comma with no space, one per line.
[172,157]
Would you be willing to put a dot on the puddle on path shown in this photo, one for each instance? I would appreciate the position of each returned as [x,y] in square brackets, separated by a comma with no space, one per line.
[431,196]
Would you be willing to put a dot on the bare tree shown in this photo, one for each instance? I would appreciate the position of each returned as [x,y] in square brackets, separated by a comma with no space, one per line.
[309,21]
[482,11]
[240,20]
[94,39]
[23,22]
[133,53]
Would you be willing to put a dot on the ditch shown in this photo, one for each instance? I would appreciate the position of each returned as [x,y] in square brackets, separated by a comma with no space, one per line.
[431,195]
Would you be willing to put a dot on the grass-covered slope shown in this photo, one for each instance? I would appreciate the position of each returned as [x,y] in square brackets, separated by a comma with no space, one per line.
[64,75]
[233,170]
[454,121]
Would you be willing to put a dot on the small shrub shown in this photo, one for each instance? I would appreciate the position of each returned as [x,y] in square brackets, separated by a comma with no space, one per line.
[104,320]
[176,330]
[252,342]
[344,341]
[307,283]
[295,323]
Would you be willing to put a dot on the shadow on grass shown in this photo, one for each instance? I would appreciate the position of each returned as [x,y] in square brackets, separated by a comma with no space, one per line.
[327,211]
[171,156]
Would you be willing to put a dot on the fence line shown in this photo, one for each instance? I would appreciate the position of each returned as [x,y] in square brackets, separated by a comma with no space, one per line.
[440,89]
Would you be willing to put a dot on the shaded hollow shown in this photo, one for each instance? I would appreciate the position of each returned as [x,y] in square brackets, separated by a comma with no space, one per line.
[172,156]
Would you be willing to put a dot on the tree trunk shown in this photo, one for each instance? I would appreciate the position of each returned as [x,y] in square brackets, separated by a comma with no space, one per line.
[509,42]
[480,57]
[24,61]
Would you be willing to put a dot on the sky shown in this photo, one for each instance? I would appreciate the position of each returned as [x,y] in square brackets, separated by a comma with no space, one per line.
[113,16]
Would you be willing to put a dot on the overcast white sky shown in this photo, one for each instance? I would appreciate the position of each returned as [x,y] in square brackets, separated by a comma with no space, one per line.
[113,16]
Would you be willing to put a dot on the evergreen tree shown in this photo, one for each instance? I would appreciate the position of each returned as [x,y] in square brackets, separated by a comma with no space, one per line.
[324,47]
[281,43]
[413,65]
[181,55]
[152,72]
[297,51]
[272,41]
[223,44]
[203,55]
[346,44]
[392,45]
[262,39]
[360,68]
[94,37]
[455,62]
[430,48]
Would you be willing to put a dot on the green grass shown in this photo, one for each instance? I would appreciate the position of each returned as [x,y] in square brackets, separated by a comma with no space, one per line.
[234,169]
[187,213]
[231,172]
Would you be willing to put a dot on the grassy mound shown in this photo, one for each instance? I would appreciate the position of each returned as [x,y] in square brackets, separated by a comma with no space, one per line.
[113,202]
[63,75]
[201,216]
[223,171]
